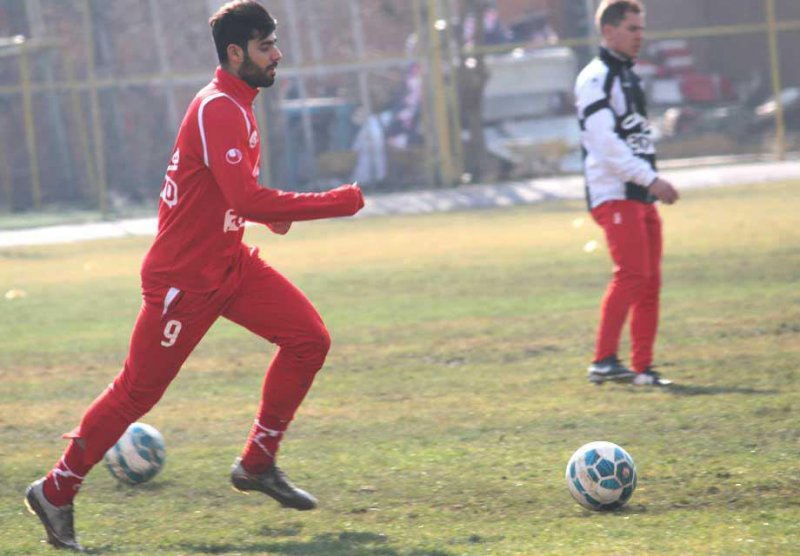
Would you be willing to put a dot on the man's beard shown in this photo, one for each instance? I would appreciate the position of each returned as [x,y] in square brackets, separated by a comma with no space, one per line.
[254,76]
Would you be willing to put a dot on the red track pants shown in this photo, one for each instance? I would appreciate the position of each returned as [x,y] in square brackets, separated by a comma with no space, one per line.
[172,323]
[633,234]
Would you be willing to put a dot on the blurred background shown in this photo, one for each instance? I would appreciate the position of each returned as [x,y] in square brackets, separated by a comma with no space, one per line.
[397,95]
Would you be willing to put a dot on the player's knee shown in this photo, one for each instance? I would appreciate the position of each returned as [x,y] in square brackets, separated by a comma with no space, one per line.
[321,343]
[654,282]
[134,400]
[631,281]
[314,347]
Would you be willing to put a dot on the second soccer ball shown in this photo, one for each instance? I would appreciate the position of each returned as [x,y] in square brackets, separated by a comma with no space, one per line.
[601,476]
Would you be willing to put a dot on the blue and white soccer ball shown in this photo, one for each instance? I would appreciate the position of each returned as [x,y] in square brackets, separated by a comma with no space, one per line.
[601,476]
[137,456]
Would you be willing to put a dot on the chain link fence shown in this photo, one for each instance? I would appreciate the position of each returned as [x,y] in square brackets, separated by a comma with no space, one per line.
[395,94]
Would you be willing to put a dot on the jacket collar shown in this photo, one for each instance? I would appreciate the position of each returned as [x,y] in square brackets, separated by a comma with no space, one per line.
[232,85]
[614,59]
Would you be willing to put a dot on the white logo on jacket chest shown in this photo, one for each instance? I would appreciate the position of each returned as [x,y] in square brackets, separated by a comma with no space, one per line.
[233,222]
[233,156]
[253,138]
[633,120]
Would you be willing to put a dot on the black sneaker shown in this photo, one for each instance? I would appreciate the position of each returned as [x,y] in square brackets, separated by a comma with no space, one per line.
[274,483]
[649,377]
[57,520]
[609,369]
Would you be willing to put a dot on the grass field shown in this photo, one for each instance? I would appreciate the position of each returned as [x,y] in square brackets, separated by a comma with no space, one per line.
[453,396]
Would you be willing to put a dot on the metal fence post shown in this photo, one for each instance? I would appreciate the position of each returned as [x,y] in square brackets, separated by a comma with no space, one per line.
[775,65]
[5,177]
[309,142]
[360,44]
[80,122]
[94,101]
[425,113]
[30,125]
[440,95]
[263,132]
[453,57]
[591,8]
[164,64]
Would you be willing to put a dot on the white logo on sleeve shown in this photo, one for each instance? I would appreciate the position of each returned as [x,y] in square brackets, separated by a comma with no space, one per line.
[253,138]
[233,156]
[176,158]
[233,222]
[169,192]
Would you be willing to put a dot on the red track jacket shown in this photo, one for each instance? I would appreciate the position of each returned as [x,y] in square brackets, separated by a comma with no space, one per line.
[211,188]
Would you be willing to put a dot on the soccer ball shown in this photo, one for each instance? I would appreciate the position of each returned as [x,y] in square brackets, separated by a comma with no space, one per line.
[137,456]
[601,476]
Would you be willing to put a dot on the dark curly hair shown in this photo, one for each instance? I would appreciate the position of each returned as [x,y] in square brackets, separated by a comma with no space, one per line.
[238,22]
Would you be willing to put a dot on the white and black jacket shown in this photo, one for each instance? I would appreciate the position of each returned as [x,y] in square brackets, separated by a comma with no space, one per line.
[618,153]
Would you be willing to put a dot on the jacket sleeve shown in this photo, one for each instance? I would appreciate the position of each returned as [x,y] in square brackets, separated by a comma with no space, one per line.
[223,130]
[600,138]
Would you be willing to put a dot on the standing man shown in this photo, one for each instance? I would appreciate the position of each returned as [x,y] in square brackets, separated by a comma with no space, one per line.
[198,269]
[622,185]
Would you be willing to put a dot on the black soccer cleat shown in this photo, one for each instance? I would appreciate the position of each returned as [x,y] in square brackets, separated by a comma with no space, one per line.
[58,521]
[274,483]
[609,369]
[649,377]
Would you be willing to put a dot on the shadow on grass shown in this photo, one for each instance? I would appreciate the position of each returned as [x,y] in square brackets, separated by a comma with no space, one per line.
[697,390]
[155,486]
[104,549]
[690,390]
[617,513]
[328,544]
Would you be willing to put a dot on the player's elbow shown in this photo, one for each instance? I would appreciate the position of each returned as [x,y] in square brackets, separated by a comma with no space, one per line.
[245,211]
[246,207]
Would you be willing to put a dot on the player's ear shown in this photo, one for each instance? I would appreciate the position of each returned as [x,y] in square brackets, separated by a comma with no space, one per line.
[235,54]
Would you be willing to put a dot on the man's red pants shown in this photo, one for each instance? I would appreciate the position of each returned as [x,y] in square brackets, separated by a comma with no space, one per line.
[172,323]
[633,234]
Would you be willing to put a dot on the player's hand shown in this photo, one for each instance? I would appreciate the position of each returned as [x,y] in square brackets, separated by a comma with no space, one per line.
[352,192]
[664,191]
[280,228]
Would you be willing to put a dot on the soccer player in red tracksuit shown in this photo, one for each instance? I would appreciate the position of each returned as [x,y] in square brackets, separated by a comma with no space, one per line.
[622,185]
[198,269]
